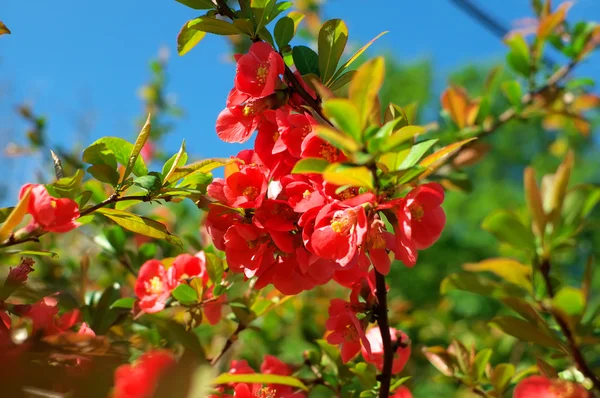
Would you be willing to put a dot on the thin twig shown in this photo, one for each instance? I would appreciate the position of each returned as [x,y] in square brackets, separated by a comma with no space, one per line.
[224,9]
[228,344]
[385,377]
[578,357]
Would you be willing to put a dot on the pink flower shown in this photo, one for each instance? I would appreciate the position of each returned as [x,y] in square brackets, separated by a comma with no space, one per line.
[377,350]
[49,213]
[154,285]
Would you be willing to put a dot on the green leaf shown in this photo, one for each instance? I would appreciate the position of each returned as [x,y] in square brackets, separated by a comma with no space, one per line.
[178,333]
[415,154]
[344,116]
[512,90]
[507,228]
[332,40]
[177,160]
[103,318]
[198,4]
[340,174]
[279,8]
[524,331]
[337,139]
[185,294]
[104,173]
[150,182]
[125,302]
[259,378]
[137,148]
[101,149]
[67,187]
[364,87]
[518,58]
[310,165]
[5,212]
[201,166]
[478,284]
[261,10]
[285,28]
[40,253]
[436,159]
[306,60]
[355,57]
[546,369]
[141,225]
[341,81]
[188,38]
[401,136]
[214,26]
[570,300]
[481,360]
[502,376]
[510,270]
[214,266]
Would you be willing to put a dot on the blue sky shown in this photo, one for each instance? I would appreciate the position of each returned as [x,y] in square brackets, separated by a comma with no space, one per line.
[74,59]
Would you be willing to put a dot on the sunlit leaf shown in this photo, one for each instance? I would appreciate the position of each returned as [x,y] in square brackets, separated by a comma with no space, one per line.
[518,57]
[40,253]
[213,25]
[344,116]
[332,40]
[340,174]
[337,139]
[478,284]
[479,364]
[15,217]
[176,161]
[141,225]
[436,159]
[104,173]
[259,378]
[5,212]
[102,150]
[185,294]
[510,270]
[534,202]
[512,90]
[261,10]
[570,300]
[441,361]
[364,87]
[502,376]
[201,166]
[354,57]
[125,302]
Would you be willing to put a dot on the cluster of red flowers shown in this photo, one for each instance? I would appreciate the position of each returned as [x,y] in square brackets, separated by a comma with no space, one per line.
[298,231]
[49,214]
[155,283]
[140,379]
[270,365]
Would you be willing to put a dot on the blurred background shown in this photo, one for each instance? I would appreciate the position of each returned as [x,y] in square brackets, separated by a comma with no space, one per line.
[80,70]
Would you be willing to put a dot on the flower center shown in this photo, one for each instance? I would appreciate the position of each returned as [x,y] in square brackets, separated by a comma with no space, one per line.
[275,135]
[306,194]
[416,210]
[250,192]
[265,392]
[343,222]
[248,110]
[329,153]
[262,72]
[348,193]
[350,333]
[155,286]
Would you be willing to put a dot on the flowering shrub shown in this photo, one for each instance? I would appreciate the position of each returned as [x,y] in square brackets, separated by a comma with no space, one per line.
[338,191]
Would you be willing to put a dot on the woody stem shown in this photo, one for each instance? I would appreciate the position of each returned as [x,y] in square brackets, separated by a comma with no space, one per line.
[385,377]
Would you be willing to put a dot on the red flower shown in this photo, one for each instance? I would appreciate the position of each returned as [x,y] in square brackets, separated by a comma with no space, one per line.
[542,387]
[154,285]
[346,329]
[218,221]
[139,380]
[49,213]
[376,346]
[420,221]
[274,366]
[246,248]
[213,309]
[294,128]
[258,71]
[402,392]
[187,266]
[44,317]
[379,241]
[339,230]
[237,124]
[246,188]
[302,192]
[315,147]
[18,276]
[85,329]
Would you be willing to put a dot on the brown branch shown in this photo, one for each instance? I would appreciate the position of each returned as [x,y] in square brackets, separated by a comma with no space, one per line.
[385,377]
[228,344]
[224,9]
[574,349]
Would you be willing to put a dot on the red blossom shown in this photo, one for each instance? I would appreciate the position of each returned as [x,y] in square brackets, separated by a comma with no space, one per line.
[154,285]
[542,387]
[258,71]
[420,221]
[293,129]
[18,276]
[246,249]
[377,350]
[49,213]
[140,379]
[314,146]
[339,230]
[44,317]
[246,188]
[402,392]
[346,329]
[187,266]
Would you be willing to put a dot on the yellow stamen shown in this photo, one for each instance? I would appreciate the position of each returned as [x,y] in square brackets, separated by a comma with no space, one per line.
[417,212]
[262,72]
[250,192]
[155,286]
[329,153]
